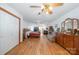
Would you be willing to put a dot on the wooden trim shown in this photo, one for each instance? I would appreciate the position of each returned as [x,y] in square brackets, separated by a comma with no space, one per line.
[3,9]
[10,13]
[19,30]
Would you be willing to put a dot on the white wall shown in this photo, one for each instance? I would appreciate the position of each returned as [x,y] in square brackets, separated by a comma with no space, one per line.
[8,32]
[9,29]
[73,14]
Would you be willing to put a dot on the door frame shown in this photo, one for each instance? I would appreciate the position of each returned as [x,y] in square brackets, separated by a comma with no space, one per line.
[12,14]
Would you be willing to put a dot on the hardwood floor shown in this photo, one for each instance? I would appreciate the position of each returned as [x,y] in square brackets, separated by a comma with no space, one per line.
[37,46]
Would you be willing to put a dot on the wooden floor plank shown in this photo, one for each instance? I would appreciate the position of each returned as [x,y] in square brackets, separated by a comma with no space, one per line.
[37,46]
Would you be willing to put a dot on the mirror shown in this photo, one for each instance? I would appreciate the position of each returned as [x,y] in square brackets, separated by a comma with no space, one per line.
[75,26]
[68,25]
[62,27]
[75,23]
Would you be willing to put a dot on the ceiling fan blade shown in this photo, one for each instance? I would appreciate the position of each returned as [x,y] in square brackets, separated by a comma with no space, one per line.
[56,4]
[35,6]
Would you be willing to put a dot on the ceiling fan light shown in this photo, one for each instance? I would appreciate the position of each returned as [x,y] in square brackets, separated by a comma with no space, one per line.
[50,7]
[42,7]
[47,12]
[50,12]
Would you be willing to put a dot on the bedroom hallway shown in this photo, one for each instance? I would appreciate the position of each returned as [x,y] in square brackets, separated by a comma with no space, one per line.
[38,46]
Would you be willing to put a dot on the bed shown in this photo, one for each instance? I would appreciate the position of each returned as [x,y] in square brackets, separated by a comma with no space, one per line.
[35,34]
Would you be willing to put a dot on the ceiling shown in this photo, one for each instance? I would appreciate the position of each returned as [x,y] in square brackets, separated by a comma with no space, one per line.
[31,14]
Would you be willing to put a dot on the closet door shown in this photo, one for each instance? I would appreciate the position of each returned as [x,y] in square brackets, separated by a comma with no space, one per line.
[9,32]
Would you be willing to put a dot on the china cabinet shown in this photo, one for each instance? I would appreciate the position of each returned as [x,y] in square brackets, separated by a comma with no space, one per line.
[68,38]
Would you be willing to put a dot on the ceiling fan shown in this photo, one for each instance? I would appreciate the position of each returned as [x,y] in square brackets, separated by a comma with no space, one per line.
[47,7]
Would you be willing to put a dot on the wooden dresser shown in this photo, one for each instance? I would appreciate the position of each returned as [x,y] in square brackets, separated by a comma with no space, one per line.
[69,42]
